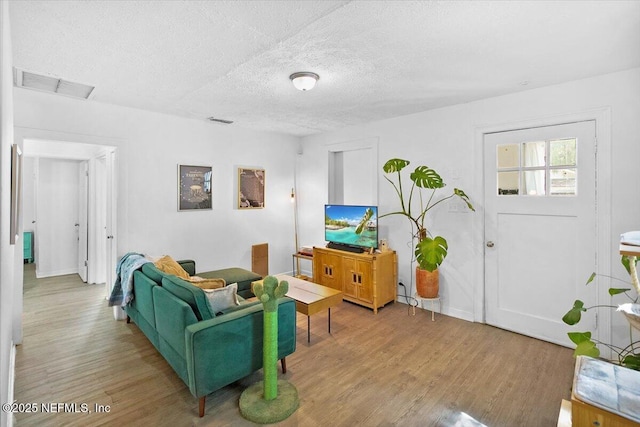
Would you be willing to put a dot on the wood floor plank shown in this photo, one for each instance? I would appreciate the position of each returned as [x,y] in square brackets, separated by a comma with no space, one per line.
[389,369]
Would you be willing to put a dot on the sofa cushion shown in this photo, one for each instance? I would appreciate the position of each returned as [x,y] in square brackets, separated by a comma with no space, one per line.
[190,294]
[152,272]
[156,275]
[204,283]
[223,298]
[168,265]
[242,277]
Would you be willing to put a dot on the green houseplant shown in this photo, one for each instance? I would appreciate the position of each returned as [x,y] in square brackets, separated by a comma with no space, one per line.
[430,251]
[628,356]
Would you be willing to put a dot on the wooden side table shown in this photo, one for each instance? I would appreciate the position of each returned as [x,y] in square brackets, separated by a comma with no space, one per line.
[295,268]
[433,301]
[311,298]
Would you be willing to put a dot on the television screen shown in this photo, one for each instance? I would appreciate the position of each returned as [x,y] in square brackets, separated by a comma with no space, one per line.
[351,225]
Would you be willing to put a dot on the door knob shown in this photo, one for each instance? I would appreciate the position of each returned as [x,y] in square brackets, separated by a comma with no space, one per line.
[489,244]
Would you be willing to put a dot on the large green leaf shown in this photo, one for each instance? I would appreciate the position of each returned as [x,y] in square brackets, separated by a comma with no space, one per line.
[431,252]
[394,165]
[458,192]
[616,291]
[425,177]
[631,361]
[578,337]
[573,316]
[587,348]
[365,219]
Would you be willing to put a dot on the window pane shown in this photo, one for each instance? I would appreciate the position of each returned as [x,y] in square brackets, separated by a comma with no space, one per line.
[533,183]
[508,183]
[533,154]
[508,155]
[563,181]
[563,152]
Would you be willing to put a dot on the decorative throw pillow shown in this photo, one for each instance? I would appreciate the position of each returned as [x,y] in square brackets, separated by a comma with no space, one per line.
[222,298]
[170,266]
[203,283]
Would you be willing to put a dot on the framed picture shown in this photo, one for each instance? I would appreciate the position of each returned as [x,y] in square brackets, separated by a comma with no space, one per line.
[194,187]
[250,188]
[16,178]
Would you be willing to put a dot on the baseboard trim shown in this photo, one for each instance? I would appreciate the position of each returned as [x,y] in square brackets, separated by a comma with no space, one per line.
[11,382]
[42,275]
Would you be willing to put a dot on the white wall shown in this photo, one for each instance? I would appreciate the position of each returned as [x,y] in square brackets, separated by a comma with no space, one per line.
[58,206]
[8,252]
[446,139]
[150,146]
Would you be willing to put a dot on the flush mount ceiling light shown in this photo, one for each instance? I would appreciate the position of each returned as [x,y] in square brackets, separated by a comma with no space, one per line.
[304,80]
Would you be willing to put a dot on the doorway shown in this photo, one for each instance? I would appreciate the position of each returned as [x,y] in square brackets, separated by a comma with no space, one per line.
[539,221]
[353,172]
[92,222]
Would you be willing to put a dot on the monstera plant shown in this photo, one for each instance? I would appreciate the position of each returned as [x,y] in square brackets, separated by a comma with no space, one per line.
[427,186]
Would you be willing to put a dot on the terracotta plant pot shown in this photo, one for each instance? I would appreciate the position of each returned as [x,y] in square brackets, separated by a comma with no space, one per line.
[427,283]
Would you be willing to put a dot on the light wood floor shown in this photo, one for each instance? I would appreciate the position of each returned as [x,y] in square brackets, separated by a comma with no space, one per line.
[389,369]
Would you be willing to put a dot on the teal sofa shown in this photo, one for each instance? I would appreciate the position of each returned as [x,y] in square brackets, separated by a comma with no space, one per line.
[207,350]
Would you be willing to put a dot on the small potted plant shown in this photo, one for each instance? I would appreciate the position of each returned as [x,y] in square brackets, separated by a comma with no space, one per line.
[430,251]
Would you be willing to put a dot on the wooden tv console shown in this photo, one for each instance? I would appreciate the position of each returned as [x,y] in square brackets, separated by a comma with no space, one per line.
[366,279]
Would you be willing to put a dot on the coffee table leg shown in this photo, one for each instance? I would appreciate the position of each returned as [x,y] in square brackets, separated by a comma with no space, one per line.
[308,329]
[329,320]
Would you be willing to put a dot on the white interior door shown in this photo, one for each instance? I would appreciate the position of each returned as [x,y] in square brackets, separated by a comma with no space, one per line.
[111,226]
[100,226]
[540,222]
[83,227]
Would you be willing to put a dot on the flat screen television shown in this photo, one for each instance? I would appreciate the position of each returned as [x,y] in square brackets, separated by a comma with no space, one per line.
[351,227]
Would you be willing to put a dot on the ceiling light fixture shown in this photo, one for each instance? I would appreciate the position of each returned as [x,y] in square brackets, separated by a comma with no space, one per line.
[304,80]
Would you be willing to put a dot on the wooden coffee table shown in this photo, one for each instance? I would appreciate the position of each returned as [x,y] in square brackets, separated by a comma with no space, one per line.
[310,298]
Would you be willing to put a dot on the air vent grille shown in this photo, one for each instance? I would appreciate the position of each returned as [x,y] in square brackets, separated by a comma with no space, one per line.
[50,84]
[213,119]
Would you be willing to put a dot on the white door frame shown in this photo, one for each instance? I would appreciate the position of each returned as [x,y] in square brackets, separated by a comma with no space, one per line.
[111,144]
[604,244]
[83,220]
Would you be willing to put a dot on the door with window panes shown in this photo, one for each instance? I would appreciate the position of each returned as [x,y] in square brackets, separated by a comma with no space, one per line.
[540,238]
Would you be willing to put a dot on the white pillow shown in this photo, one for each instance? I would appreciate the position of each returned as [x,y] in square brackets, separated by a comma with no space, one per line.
[222,298]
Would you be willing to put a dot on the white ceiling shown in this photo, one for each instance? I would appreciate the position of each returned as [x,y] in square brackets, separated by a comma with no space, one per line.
[376,59]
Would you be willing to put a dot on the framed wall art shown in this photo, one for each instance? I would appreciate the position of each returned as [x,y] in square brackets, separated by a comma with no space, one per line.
[250,188]
[194,187]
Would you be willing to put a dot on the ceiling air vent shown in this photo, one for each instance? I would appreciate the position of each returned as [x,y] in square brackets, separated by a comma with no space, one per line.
[213,119]
[51,84]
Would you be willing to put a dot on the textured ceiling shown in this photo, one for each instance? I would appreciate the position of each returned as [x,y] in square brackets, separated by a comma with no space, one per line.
[376,59]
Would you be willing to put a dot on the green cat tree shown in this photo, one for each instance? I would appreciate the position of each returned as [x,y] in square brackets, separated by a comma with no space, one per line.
[270,400]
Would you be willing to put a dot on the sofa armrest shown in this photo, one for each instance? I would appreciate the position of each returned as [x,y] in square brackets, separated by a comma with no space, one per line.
[227,348]
[189,266]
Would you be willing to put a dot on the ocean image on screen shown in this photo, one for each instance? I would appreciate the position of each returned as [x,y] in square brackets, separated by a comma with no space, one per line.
[341,222]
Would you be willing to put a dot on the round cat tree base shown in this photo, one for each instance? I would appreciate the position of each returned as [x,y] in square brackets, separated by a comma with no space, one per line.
[254,408]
